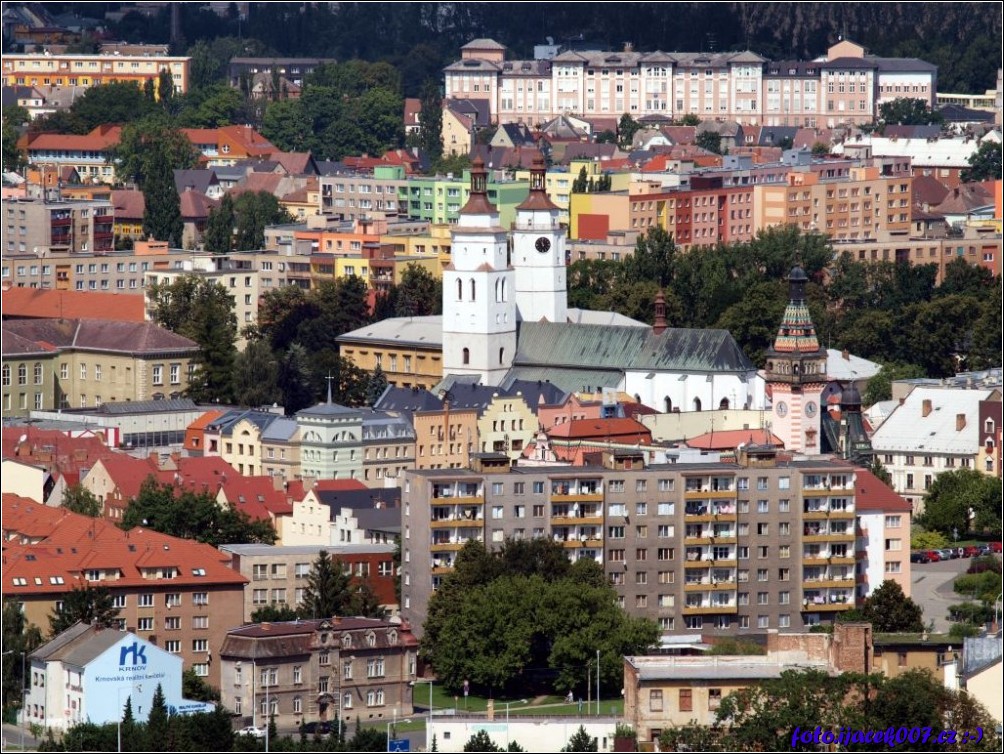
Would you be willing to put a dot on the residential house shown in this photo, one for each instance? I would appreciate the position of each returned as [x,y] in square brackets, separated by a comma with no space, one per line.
[329,514]
[280,450]
[38,227]
[991,421]
[116,481]
[335,669]
[883,522]
[46,69]
[980,672]
[23,357]
[331,445]
[388,447]
[934,429]
[175,593]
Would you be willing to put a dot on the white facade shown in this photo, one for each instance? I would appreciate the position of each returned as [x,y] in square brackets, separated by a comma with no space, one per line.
[539,257]
[696,392]
[533,734]
[479,310]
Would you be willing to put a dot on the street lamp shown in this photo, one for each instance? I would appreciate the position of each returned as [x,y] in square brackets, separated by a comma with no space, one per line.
[428,719]
[507,738]
[394,723]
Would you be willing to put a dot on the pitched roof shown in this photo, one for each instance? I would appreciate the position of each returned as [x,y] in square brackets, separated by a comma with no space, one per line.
[732,439]
[256,496]
[128,473]
[407,399]
[102,335]
[195,205]
[128,204]
[908,429]
[98,140]
[38,303]
[14,345]
[199,180]
[602,429]
[618,347]
[483,43]
[872,494]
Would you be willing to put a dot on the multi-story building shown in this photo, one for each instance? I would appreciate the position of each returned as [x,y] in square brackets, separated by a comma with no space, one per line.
[330,441]
[38,228]
[335,669]
[445,438]
[278,574]
[759,544]
[28,374]
[176,593]
[97,361]
[354,195]
[388,445]
[844,87]
[991,436]
[409,353]
[294,70]
[934,429]
[45,69]
[90,155]
[883,529]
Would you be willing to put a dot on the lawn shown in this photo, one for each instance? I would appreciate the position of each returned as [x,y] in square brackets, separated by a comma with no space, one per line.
[551,704]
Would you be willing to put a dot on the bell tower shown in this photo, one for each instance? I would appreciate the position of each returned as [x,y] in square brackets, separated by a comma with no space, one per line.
[796,372]
[479,313]
[539,254]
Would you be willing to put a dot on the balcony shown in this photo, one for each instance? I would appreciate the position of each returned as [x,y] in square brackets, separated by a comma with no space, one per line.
[827,607]
[710,586]
[731,609]
[828,537]
[571,495]
[705,494]
[719,563]
[449,546]
[451,522]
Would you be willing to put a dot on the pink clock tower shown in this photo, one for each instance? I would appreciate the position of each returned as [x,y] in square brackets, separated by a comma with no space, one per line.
[796,372]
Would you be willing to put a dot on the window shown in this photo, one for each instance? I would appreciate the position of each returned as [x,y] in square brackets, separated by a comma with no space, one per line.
[655,700]
[297,674]
[200,621]
[172,623]
[145,624]
[146,600]
[375,667]
[202,670]
[200,645]
[374,698]
[172,600]
[347,670]
[173,646]
[686,700]
[714,698]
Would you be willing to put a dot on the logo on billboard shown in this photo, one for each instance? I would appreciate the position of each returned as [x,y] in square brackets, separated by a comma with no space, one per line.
[137,652]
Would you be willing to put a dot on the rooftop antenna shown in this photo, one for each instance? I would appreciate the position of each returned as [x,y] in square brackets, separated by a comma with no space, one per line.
[329,378]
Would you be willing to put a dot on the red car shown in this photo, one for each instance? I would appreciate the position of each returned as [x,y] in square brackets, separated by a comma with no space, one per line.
[971,551]
[995,547]
[933,556]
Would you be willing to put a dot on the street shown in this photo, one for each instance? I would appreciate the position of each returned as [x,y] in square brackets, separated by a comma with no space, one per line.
[932,589]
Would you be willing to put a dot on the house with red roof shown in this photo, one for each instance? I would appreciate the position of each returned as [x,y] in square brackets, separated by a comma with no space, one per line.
[40,303]
[884,518]
[176,593]
[90,155]
[729,440]
[41,463]
[572,440]
[116,480]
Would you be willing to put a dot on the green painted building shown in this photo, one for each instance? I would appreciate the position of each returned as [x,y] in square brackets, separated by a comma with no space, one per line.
[439,199]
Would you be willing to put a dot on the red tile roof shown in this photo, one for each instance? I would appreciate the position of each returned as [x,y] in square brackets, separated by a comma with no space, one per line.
[128,473]
[257,497]
[38,303]
[99,140]
[602,429]
[128,204]
[872,494]
[195,205]
[55,451]
[297,492]
[732,439]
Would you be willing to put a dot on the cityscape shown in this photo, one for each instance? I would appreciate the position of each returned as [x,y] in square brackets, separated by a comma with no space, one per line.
[442,377]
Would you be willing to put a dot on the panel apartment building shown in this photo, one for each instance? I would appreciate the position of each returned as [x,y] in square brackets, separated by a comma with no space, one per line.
[761,543]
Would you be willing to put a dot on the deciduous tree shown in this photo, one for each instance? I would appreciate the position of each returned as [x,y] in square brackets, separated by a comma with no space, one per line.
[90,604]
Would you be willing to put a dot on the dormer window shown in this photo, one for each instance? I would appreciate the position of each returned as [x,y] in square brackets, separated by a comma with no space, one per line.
[346,641]
[371,639]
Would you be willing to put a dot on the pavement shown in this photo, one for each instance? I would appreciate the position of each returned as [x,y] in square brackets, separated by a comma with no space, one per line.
[11,739]
[932,589]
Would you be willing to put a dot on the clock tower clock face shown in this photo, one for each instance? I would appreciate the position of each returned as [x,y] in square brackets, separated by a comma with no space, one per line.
[782,408]
[543,245]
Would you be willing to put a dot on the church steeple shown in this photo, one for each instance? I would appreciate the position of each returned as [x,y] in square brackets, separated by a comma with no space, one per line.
[477,203]
[796,371]
[538,199]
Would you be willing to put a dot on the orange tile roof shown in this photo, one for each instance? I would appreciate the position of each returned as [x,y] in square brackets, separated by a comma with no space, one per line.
[56,451]
[79,543]
[205,420]
[37,303]
[257,497]
[128,473]
[731,439]
[872,494]
[602,429]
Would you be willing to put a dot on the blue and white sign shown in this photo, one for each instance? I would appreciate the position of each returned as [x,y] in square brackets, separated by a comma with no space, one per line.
[399,744]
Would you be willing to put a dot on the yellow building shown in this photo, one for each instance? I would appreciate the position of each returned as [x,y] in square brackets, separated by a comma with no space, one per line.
[28,375]
[45,69]
[241,447]
[506,425]
[867,205]
[280,449]
[98,361]
[446,438]
[409,352]
[433,243]
[594,215]
[458,132]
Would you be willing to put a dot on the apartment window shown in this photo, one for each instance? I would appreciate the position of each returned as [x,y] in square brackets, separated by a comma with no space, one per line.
[762,529]
[714,698]
[655,700]
[347,670]
[158,374]
[375,667]
[893,522]
[145,600]
[686,697]
[763,621]
[83,371]
[200,645]
[641,509]
[761,574]
[172,624]
[145,624]
[762,598]
[173,646]
[175,374]
[666,553]
[784,574]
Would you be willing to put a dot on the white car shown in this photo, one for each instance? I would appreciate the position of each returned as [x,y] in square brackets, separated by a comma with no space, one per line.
[252,731]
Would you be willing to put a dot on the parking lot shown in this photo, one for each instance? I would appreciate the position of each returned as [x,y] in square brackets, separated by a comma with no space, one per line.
[932,589]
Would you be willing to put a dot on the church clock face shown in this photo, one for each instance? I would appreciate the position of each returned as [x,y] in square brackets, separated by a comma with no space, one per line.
[781,408]
[543,245]
[810,409]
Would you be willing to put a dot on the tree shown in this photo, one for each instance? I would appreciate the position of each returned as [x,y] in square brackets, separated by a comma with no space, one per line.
[274,614]
[256,375]
[193,515]
[19,638]
[690,119]
[375,386]
[295,380]
[984,163]
[287,125]
[626,129]
[581,184]
[891,611]
[880,472]
[481,741]
[710,140]
[582,741]
[819,149]
[81,500]
[219,235]
[89,604]
[165,89]
[202,310]
[904,111]
[960,501]
[653,258]
[328,590]
[254,211]
[193,687]
[162,204]
[147,145]
[879,387]
[430,120]
[13,118]
[157,723]
[419,294]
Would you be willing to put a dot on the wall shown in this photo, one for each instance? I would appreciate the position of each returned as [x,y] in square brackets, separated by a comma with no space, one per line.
[551,734]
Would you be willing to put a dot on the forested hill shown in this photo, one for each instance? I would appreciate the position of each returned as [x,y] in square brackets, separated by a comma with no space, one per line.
[962,39]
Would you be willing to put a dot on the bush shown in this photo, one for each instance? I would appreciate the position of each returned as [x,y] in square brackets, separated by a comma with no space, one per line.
[928,540]
[983,564]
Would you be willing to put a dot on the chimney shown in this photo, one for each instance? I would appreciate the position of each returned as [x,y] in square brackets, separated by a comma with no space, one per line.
[845,355]
[960,422]
[266,626]
[926,408]
[660,314]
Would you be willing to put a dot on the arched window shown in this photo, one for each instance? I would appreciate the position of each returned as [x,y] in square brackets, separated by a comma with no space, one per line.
[467,356]
[501,355]
[6,375]
[498,291]
[22,374]
[505,293]
[460,289]
[697,404]
[38,373]
[723,403]
[669,404]
[474,293]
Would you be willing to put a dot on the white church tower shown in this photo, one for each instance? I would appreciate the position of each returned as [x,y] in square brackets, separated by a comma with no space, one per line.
[479,313]
[539,255]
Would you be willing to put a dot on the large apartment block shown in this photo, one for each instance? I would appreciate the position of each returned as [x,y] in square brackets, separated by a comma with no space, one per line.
[38,227]
[761,543]
[44,69]
[847,86]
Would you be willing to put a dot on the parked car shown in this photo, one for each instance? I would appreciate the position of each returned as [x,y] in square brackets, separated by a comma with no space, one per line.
[919,557]
[984,549]
[252,731]
[321,727]
[947,553]
[971,551]
[995,547]
[933,556]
